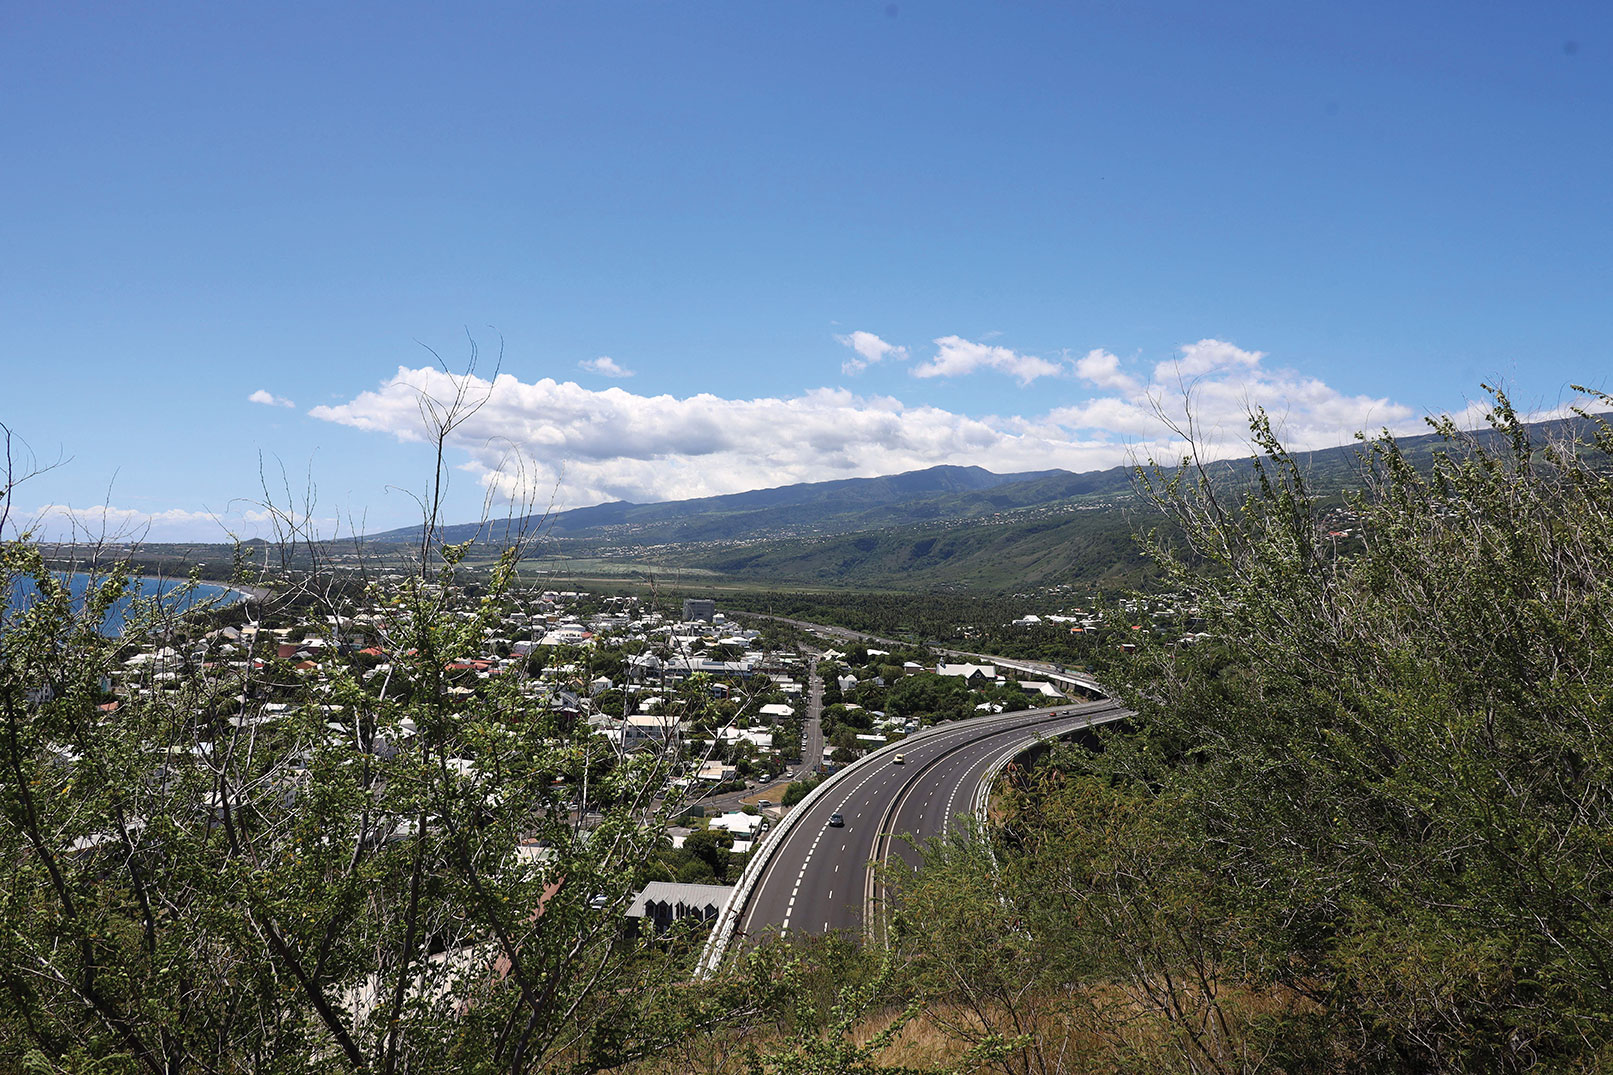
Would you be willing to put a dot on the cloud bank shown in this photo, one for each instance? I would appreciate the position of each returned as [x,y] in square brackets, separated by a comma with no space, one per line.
[613,444]
[62,522]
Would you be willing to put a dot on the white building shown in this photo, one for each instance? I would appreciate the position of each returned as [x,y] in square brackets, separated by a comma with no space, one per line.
[716,772]
[643,729]
[738,822]
[974,673]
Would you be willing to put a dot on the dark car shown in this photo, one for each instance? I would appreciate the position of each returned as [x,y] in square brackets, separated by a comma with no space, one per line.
[836,821]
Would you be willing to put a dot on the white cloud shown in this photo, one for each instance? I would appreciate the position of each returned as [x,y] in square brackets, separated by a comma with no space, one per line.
[613,444]
[62,522]
[1206,356]
[956,356]
[1214,385]
[605,366]
[870,349]
[268,399]
[1103,369]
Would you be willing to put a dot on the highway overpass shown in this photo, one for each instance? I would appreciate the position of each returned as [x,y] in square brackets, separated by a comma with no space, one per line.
[812,877]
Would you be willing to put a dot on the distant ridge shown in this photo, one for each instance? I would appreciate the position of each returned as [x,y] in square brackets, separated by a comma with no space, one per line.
[806,507]
[946,527]
[1071,538]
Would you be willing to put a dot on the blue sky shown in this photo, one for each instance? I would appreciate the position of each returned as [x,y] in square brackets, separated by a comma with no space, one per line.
[812,240]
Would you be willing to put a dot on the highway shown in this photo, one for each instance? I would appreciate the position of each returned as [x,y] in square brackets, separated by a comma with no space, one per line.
[812,722]
[818,879]
[1036,668]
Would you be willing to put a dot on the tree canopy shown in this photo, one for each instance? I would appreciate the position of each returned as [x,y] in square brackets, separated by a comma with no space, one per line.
[1364,824]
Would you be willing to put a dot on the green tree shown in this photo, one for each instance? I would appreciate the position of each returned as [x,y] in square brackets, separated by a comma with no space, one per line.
[197,880]
[798,789]
[713,848]
[1364,826]
[1396,752]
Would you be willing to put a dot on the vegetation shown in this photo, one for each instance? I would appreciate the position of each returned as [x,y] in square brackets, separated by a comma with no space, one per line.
[798,789]
[828,507]
[1361,824]
[374,861]
[1364,827]
[1011,554]
[918,624]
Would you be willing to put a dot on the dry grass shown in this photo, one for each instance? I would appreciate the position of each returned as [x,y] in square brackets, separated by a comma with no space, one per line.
[1097,1030]
[773,793]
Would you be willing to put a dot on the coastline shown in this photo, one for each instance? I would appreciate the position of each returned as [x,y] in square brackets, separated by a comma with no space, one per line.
[213,595]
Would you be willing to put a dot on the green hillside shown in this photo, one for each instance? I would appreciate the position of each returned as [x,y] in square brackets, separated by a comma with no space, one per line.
[1051,530]
[946,528]
[1080,547]
[943,492]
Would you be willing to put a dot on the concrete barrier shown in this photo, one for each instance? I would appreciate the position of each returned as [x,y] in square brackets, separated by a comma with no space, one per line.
[716,949]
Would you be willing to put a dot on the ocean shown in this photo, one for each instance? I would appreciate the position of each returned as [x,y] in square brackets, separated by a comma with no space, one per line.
[23,591]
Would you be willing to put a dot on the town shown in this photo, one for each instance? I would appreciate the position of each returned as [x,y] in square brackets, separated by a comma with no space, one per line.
[744,716]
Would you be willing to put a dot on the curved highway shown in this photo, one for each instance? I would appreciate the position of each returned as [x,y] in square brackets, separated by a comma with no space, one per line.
[1037,668]
[819,879]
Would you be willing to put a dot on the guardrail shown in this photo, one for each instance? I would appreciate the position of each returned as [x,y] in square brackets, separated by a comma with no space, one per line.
[884,835]
[988,779]
[982,797]
[722,933]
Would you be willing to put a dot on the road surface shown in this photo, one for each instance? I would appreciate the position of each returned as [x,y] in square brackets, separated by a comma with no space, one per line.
[818,879]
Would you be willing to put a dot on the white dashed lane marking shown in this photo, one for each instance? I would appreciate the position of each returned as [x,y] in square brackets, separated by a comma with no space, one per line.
[886,775]
[806,863]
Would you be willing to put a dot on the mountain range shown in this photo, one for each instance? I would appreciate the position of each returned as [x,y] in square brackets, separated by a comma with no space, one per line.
[948,527]
[805,509]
